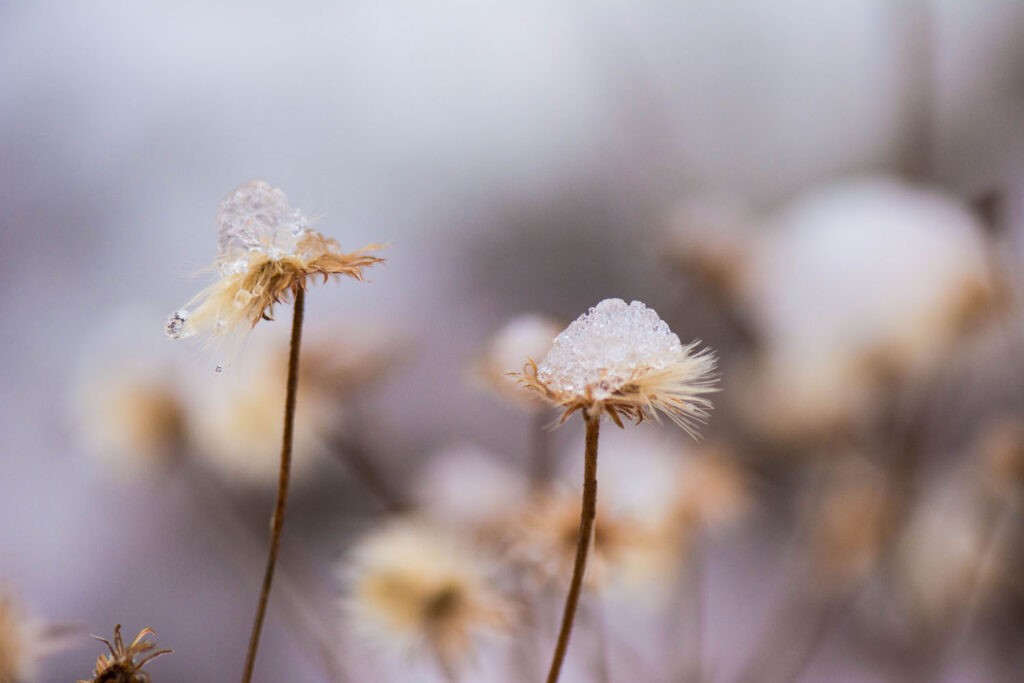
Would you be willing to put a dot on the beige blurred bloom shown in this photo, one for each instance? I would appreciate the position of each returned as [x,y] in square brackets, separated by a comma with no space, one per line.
[525,336]
[234,420]
[855,287]
[851,523]
[131,417]
[414,587]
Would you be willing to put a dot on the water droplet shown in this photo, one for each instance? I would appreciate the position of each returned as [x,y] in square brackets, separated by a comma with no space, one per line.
[175,325]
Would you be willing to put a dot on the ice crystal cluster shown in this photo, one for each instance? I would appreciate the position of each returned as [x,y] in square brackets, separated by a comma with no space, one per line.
[605,348]
[622,361]
[256,218]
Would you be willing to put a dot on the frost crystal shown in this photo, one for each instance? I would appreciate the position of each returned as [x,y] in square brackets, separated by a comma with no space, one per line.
[256,217]
[607,347]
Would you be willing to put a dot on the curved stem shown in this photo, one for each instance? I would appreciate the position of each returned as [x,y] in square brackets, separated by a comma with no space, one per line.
[277,520]
[587,515]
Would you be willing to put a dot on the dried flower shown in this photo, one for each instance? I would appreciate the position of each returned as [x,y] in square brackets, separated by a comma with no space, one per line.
[852,524]
[1000,447]
[542,540]
[949,556]
[623,361]
[713,490]
[120,666]
[132,418]
[420,588]
[485,507]
[525,336]
[267,251]
[343,362]
[712,238]
[857,285]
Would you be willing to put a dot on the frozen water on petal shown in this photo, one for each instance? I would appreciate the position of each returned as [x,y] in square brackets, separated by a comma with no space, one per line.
[256,217]
[607,347]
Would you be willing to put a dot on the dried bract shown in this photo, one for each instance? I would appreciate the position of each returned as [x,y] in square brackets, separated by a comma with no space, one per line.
[124,663]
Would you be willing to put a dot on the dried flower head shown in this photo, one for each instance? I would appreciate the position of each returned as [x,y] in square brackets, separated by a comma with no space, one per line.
[124,663]
[482,509]
[949,555]
[266,252]
[624,361]
[712,238]
[420,588]
[542,541]
[1000,447]
[525,336]
[713,492]
[131,418]
[852,524]
[344,362]
[856,286]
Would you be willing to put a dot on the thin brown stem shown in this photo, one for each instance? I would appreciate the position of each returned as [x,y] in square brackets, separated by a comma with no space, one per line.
[587,516]
[277,520]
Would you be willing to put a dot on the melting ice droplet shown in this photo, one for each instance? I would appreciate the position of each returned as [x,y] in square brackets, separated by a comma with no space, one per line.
[175,325]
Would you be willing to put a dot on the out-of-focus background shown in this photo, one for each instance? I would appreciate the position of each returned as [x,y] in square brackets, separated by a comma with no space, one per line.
[828,194]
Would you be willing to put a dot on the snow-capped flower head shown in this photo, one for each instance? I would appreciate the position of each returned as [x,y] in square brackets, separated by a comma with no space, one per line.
[267,251]
[855,286]
[416,587]
[623,360]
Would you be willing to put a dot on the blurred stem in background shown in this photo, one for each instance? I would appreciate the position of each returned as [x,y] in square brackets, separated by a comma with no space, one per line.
[541,466]
[306,625]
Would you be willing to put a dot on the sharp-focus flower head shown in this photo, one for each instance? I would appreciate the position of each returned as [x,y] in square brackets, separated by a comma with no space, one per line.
[623,360]
[266,252]
[124,663]
[418,587]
